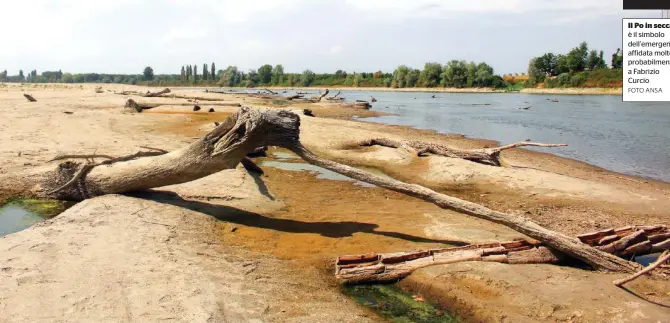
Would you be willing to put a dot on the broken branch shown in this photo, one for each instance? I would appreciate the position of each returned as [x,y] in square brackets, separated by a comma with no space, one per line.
[661,260]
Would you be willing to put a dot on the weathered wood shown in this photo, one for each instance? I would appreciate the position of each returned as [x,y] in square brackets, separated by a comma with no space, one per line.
[271,92]
[195,98]
[242,132]
[374,268]
[554,240]
[488,156]
[661,260]
[663,245]
[155,94]
[29,97]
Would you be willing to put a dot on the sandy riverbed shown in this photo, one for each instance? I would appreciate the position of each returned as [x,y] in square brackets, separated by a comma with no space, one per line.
[235,247]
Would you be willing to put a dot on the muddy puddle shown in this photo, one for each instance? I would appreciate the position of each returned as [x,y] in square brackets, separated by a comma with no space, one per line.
[22,214]
[291,162]
[393,304]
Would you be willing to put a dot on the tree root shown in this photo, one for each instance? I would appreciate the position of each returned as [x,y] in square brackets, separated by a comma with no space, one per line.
[487,156]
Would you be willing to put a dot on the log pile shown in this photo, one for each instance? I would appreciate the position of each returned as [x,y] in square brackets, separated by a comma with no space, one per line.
[625,242]
[628,242]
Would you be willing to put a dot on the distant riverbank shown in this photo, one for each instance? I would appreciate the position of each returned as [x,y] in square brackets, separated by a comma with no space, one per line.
[574,91]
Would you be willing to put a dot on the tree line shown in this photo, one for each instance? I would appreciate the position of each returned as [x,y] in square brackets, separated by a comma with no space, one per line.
[579,67]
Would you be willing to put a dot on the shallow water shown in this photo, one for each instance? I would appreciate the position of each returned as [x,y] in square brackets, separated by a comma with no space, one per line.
[395,305]
[14,218]
[22,214]
[625,137]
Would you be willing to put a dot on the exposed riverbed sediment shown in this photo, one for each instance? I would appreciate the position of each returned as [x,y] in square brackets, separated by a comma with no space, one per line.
[240,247]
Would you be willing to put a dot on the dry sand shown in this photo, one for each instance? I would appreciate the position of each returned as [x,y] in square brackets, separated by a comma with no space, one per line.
[269,256]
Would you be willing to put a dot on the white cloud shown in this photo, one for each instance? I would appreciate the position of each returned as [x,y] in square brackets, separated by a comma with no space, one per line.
[336,49]
[407,9]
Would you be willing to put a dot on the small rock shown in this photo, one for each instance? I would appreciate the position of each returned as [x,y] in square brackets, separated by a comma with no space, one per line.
[233,229]
[211,110]
[216,123]
[196,108]
[68,112]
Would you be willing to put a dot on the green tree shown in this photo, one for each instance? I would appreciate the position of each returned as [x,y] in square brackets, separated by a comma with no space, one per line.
[484,75]
[577,57]
[431,74]
[546,64]
[148,73]
[595,60]
[617,59]
[471,74]
[291,80]
[400,76]
[182,76]
[205,71]
[561,65]
[21,76]
[413,78]
[534,74]
[230,77]
[307,78]
[213,72]
[278,75]
[265,74]
[195,74]
[455,74]
[67,78]
[252,78]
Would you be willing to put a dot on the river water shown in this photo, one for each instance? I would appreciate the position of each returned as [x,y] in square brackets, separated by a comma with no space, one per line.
[630,138]
[627,137]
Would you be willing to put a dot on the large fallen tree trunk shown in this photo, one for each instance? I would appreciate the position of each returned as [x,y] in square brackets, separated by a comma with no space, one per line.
[372,267]
[228,144]
[489,156]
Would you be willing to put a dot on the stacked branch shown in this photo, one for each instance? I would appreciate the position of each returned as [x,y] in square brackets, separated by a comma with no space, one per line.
[29,97]
[630,241]
[228,144]
[372,267]
[488,156]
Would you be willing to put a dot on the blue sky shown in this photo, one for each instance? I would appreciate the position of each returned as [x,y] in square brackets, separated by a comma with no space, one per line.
[123,36]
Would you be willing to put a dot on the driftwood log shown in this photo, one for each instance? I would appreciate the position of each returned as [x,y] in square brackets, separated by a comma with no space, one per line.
[226,146]
[488,156]
[271,92]
[148,94]
[29,97]
[376,268]
[140,106]
[372,267]
[297,96]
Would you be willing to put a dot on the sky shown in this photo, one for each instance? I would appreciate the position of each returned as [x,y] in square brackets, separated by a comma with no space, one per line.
[124,36]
